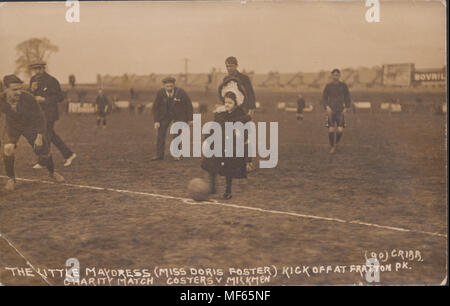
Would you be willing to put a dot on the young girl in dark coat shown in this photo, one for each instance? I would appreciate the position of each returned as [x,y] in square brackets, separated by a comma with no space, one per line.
[229,167]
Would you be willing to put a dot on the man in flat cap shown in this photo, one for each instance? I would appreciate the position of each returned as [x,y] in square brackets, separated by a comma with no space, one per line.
[47,92]
[23,117]
[171,104]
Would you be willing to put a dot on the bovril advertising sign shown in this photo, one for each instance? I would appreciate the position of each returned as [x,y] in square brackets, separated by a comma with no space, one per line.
[429,76]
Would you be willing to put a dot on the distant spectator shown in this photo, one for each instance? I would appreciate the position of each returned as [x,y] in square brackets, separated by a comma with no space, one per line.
[301,104]
[131,108]
[419,107]
[103,108]
[81,95]
[140,108]
[437,109]
[114,105]
[72,80]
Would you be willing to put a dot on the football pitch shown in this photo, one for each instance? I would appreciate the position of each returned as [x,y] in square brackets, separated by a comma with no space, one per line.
[315,219]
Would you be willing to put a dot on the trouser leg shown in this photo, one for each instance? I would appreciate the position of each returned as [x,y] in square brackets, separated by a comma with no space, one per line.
[8,149]
[331,137]
[212,182]
[8,161]
[161,138]
[43,152]
[338,135]
[228,181]
[340,128]
[57,141]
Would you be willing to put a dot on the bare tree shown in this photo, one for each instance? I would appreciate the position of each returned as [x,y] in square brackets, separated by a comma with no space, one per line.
[32,50]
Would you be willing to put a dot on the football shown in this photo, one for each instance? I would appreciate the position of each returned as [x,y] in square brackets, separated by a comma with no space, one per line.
[198,189]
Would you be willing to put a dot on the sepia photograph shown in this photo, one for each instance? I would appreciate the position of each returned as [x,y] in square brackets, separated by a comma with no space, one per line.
[241,143]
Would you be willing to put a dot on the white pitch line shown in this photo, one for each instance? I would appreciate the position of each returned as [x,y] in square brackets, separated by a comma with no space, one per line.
[214,202]
[27,261]
[366,146]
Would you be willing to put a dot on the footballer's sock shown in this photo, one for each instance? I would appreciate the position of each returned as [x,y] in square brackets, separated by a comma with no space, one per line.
[212,183]
[338,137]
[47,161]
[9,165]
[98,122]
[331,138]
[228,186]
[104,122]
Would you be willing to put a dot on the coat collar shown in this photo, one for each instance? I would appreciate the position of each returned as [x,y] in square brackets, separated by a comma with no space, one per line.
[175,89]
[42,76]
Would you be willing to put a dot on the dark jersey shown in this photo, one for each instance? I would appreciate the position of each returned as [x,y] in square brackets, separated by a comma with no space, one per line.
[102,102]
[25,115]
[300,105]
[336,96]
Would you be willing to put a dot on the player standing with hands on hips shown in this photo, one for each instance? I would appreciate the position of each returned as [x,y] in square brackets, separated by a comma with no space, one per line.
[335,100]
[47,91]
[23,117]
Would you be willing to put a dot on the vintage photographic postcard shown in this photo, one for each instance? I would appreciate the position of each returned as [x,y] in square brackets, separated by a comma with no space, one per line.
[223,143]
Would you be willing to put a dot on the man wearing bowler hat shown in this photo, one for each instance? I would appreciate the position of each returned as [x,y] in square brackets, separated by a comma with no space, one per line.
[171,104]
[47,92]
[23,117]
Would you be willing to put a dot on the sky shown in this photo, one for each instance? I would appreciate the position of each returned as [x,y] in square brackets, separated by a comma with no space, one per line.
[285,36]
